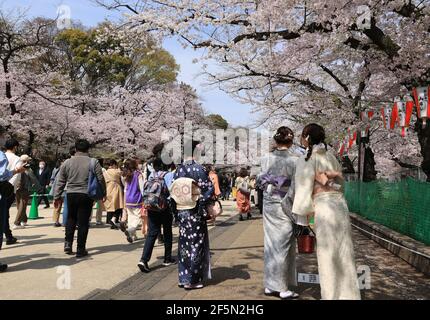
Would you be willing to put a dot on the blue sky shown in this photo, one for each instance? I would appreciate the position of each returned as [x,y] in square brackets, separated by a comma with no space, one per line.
[214,100]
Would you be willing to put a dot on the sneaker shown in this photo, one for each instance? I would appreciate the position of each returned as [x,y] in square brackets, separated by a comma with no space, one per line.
[169,262]
[3,267]
[193,286]
[15,227]
[24,224]
[57,225]
[129,238]
[12,240]
[99,223]
[81,253]
[68,248]
[143,266]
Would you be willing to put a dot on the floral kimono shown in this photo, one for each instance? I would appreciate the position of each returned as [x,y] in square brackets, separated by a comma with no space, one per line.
[193,242]
[318,185]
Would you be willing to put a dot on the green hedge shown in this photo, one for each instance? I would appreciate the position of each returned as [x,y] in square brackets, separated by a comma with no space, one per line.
[402,206]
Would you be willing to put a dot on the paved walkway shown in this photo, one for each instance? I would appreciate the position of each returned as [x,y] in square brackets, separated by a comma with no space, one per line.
[37,262]
[237,263]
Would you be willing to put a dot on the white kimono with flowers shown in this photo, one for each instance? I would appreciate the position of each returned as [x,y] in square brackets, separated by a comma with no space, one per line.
[335,252]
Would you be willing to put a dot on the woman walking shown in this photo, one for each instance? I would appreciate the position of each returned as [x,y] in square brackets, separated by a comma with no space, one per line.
[275,179]
[318,189]
[133,199]
[59,203]
[25,182]
[114,203]
[193,243]
[243,187]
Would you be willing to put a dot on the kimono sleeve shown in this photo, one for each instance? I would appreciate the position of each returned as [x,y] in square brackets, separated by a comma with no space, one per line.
[304,184]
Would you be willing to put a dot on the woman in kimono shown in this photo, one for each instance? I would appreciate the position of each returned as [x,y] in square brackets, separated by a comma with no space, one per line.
[318,190]
[275,179]
[243,196]
[193,242]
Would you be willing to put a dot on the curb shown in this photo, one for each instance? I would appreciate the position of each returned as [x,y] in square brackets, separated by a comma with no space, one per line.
[416,253]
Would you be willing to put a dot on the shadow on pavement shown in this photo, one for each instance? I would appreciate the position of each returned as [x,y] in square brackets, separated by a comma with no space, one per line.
[221,274]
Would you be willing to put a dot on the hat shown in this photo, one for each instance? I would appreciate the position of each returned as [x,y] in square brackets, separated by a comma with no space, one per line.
[25,158]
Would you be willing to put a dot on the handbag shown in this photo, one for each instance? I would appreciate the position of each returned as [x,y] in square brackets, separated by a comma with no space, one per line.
[6,189]
[306,240]
[305,236]
[214,209]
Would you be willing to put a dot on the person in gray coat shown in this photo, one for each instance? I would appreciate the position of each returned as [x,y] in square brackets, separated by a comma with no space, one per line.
[75,173]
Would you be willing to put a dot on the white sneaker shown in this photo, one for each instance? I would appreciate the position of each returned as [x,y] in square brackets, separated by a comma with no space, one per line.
[15,227]
[23,224]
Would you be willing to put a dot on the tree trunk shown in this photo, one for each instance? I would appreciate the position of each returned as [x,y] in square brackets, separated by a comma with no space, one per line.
[31,138]
[9,88]
[369,171]
[424,139]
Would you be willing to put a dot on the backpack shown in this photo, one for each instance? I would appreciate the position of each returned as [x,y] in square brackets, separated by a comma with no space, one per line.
[95,190]
[155,193]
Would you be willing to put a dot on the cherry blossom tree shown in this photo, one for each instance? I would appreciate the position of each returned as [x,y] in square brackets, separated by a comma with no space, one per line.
[289,58]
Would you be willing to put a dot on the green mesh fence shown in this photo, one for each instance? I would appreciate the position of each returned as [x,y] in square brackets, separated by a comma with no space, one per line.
[401,206]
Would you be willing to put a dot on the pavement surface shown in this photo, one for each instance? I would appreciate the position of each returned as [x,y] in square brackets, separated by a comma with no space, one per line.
[38,266]
[39,269]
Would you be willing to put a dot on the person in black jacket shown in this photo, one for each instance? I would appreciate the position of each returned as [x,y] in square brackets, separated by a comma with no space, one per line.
[44,177]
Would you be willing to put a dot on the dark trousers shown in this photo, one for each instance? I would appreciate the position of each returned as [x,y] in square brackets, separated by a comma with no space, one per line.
[115,214]
[44,198]
[79,208]
[155,220]
[3,215]
[260,200]
[6,227]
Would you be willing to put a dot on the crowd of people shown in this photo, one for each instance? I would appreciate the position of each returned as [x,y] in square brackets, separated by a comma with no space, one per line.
[294,184]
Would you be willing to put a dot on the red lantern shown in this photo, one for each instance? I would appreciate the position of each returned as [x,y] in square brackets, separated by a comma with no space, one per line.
[394,114]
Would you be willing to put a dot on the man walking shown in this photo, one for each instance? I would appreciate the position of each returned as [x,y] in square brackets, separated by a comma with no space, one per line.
[14,161]
[6,190]
[75,173]
[44,177]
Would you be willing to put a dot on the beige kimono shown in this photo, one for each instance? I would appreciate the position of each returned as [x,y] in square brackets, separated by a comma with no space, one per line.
[335,252]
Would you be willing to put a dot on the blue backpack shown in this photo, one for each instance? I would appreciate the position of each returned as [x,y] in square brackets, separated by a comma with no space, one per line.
[95,190]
